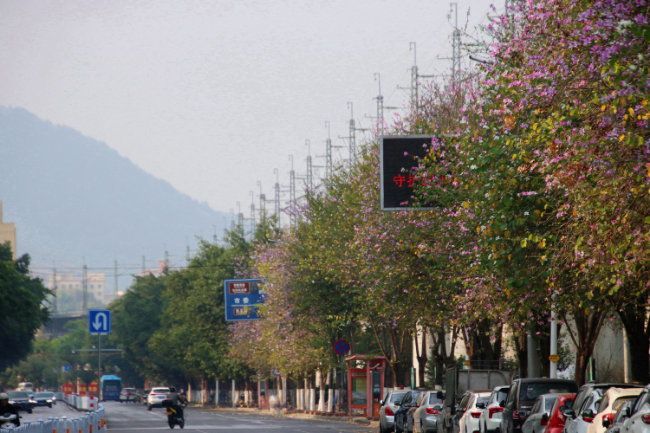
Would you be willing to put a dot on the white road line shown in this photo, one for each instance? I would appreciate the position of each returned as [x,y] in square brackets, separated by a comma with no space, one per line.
[197,427]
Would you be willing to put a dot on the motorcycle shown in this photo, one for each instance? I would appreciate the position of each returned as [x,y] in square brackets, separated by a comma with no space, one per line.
[7,420]
[173,417]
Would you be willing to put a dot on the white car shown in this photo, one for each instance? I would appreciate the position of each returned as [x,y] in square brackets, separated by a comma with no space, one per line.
[490,419]
[639,420]
[129,394]
[468,423]
[537,421]
[156,396]
[609,404]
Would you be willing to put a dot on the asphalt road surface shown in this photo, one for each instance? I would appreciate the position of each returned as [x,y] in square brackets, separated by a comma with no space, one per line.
[136,418]
[43,412]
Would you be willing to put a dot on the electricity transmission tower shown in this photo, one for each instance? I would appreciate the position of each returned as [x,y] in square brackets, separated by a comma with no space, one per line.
[353,136]
[380,107]
[292,192]
[277,194]
[309,176]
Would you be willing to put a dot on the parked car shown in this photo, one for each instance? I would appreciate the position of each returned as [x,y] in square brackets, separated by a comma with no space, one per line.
[609,404]
[537,421]
[129,394]
[639,415]
[405,405]
[21,400]
[522,395]
[556,417]
[620,417]
[468,422]
[387,411]
[490,420]
[43,399]
[410,414]
[588,399]
[156,396]
[425,418]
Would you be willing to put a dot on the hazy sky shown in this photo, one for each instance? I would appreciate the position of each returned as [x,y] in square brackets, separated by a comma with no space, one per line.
[213,95]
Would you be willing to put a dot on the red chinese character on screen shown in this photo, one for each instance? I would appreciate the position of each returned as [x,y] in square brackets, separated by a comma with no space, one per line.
[399,180]
[411,180]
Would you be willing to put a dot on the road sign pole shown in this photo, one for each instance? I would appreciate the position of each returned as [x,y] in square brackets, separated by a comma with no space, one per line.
[99,368]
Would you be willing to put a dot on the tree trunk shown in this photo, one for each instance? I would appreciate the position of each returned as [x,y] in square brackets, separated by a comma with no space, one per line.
[521,348]
[588,323]
[634,317]
[439,351]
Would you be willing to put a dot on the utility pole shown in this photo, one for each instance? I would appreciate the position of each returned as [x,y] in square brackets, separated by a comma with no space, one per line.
[328,152]
[310,178]
[54,287]
[143,266]
[214,237]
[456,46]
[187,250]
[115,287]
[353,136]
[84,285]
[252,215]
[380,108]
[292,192]
[414,78]
[166,259]
[277,194]
[262,201]
[240,216]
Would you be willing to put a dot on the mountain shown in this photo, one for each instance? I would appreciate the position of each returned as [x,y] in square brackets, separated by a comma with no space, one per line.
[73,198]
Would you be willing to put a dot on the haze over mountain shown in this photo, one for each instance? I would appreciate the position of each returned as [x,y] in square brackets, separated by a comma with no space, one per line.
[74,198]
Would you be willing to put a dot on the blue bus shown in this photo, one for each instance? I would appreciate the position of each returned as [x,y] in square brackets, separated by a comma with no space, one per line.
[110,388]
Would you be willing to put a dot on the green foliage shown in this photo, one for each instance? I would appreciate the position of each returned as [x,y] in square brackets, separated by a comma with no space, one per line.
[21,307]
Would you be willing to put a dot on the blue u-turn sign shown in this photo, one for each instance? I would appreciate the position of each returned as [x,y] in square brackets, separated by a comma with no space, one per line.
[99,321]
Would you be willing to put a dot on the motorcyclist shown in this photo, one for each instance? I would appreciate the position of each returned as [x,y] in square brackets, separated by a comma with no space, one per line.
[7,408]
[176,399]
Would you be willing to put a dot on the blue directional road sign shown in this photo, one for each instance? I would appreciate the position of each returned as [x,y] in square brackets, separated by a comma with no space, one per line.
[67,367]
[99,321]
[242,299]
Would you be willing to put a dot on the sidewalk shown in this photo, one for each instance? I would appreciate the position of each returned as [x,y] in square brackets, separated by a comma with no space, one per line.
[361,421]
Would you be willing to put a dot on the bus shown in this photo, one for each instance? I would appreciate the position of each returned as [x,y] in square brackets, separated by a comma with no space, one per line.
[111,387]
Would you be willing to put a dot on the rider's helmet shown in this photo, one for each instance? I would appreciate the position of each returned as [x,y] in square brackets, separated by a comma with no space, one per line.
[182,390]
[4,396]
[172,389]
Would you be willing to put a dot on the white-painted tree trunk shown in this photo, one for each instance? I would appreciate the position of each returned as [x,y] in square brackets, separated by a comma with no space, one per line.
[330,396]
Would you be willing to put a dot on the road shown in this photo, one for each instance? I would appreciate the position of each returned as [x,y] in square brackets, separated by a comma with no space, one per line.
[136,418]
[58,411]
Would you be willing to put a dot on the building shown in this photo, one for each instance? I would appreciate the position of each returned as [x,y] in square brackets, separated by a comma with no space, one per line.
[72,285]
[7,233]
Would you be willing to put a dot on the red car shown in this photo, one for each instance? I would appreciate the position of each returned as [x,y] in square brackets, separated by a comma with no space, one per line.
[555,421]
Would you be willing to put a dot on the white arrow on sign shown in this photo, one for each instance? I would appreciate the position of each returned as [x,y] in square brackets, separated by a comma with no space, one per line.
[100,325]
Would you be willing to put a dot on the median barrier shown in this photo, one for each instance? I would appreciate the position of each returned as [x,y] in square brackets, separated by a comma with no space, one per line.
[90,422]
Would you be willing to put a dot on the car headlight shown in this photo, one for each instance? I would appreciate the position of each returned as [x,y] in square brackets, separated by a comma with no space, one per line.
[32,401]
[12,402]
[49,401]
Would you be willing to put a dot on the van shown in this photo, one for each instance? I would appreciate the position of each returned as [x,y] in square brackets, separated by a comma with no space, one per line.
[522,396]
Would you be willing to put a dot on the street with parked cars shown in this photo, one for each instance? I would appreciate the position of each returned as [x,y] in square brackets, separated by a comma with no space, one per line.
[531,405]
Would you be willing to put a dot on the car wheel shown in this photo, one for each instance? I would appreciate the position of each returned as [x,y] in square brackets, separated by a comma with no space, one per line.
[50,405]
[30,410]
[148,407]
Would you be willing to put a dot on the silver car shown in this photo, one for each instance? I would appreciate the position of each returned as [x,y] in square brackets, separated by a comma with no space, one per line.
[539,414]
[425,418]
[387,410]
[575,422]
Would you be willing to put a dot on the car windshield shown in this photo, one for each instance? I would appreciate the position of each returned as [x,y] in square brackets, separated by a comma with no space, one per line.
[397,397]
[43,395]
[548,404]
[483,400]
[530,391]
[501,395]
[621,415]
[433,398]
[160,390]
[16,394]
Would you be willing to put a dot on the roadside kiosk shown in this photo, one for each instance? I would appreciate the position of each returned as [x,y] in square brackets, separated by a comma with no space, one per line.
[365,384]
